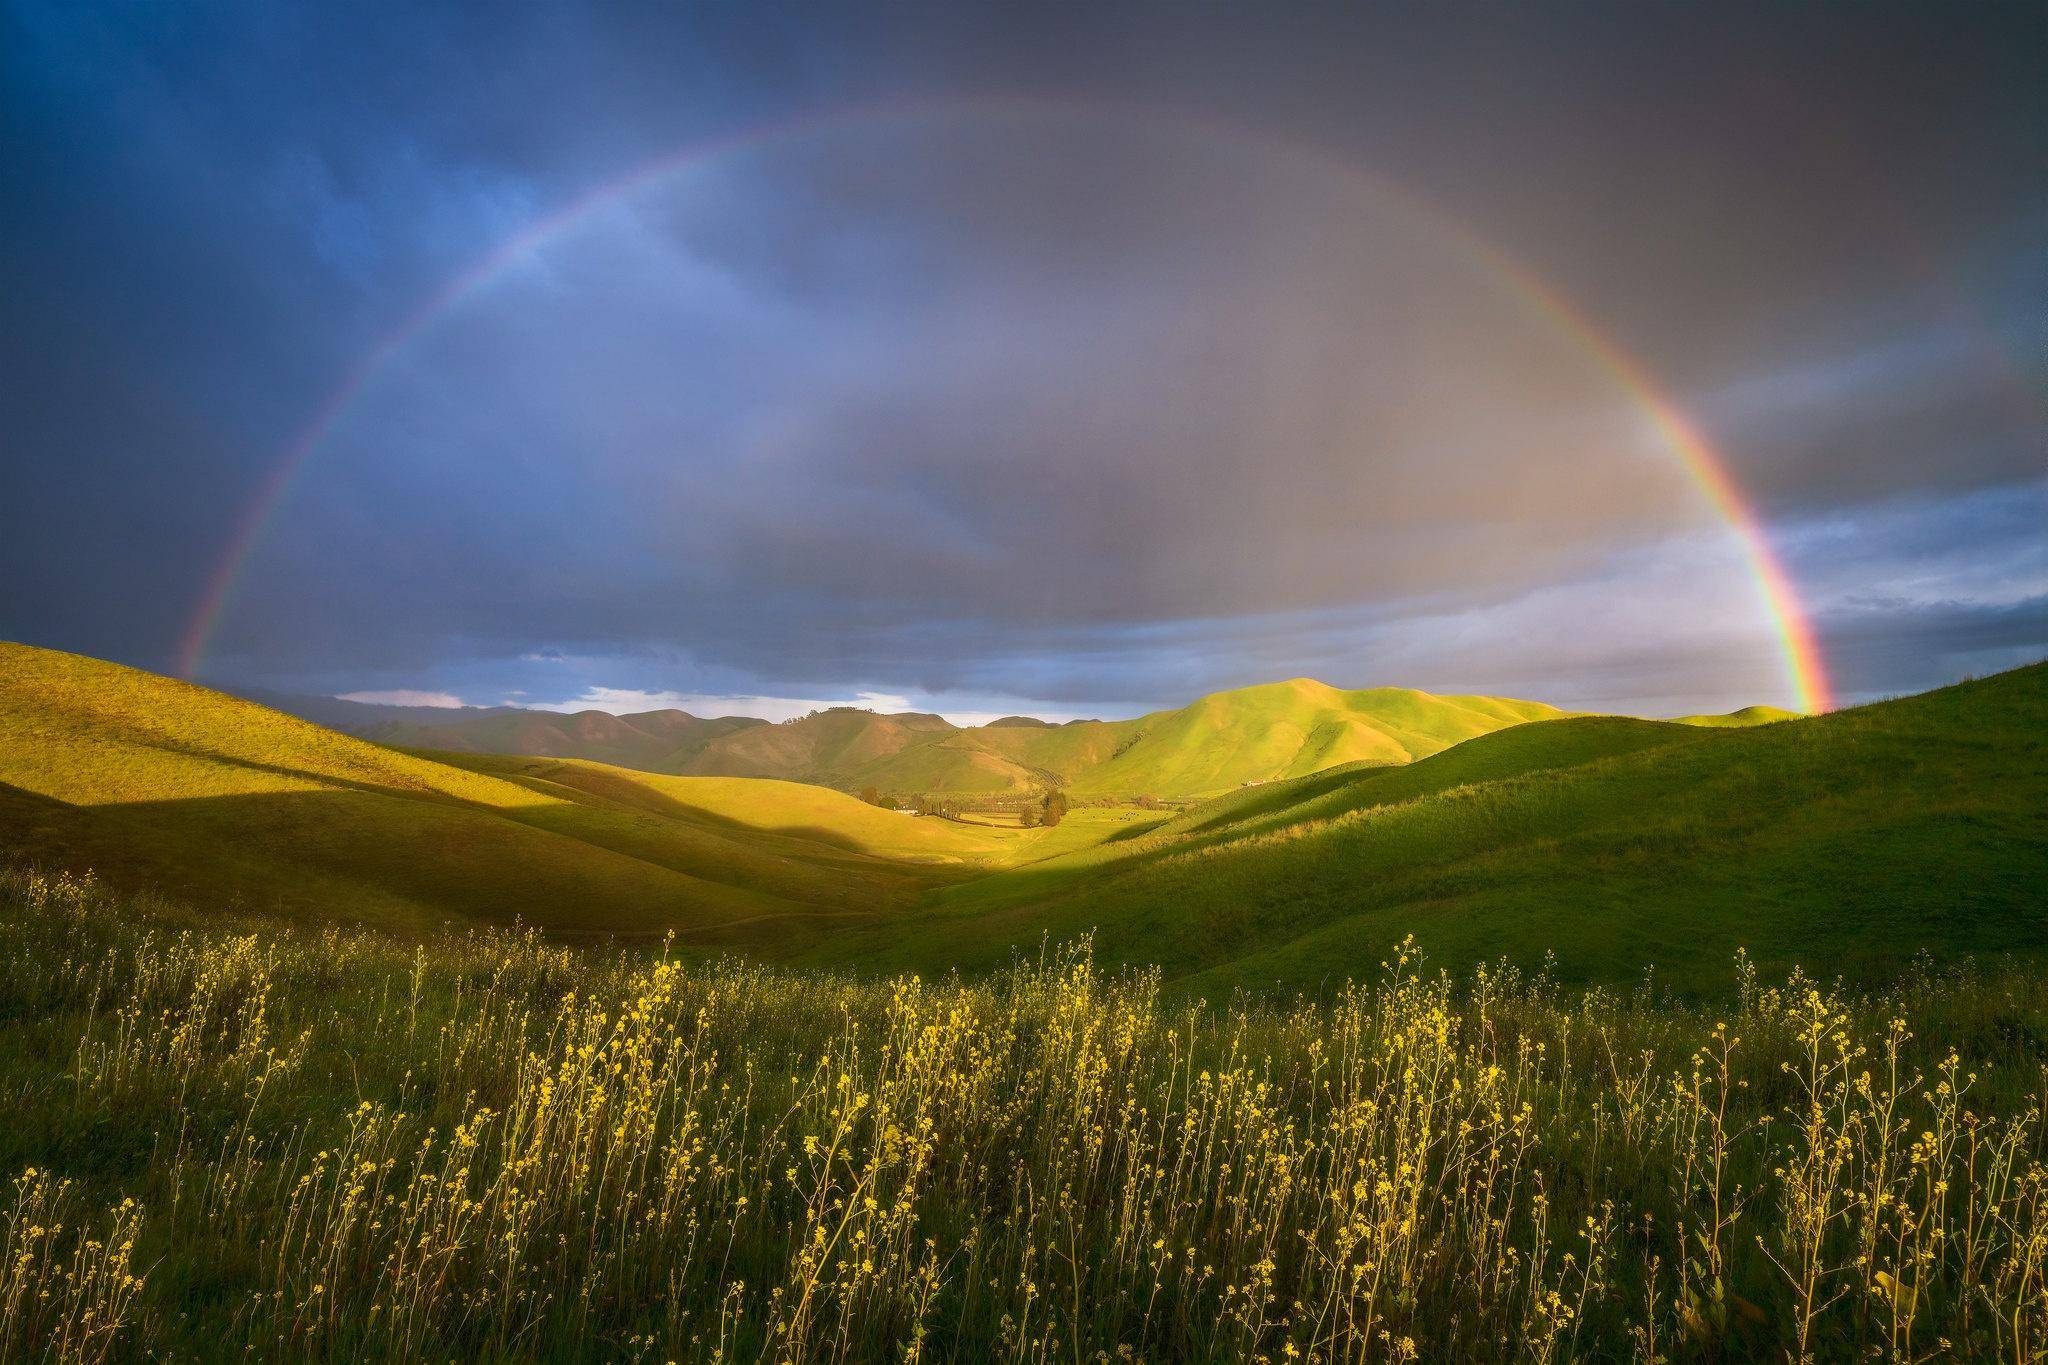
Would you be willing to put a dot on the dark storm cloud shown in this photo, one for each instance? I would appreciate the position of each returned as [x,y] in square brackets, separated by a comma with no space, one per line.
[1181,392]
[912,414]
[1914,593]
[1909,647]
[208,212]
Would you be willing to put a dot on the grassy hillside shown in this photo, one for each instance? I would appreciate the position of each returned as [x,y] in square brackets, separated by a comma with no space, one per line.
[219,802]
[833,743]
[1748,715]
[1290,729]
[657,741]
[1849,843]
[752,807]
[1219,743]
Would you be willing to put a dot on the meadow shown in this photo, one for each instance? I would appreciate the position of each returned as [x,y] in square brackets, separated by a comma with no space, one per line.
[1610,846]
[256,1140]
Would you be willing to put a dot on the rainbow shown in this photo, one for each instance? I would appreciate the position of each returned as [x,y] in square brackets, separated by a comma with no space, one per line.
[1804,667]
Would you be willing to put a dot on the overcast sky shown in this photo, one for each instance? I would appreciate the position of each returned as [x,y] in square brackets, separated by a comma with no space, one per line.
[1063,359]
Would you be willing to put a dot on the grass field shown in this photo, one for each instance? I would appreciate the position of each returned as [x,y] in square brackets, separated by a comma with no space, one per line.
[335,1146]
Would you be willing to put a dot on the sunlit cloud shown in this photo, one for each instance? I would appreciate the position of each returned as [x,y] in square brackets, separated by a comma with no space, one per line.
[621,701]
[630,700]
[403,696]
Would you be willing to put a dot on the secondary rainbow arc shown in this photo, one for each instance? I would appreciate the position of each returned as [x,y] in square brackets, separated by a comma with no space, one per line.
[1803,663]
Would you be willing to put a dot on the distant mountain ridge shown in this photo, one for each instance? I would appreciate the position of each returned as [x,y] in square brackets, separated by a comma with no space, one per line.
[358,717]
[1217,743]
[663,741]
[660,741]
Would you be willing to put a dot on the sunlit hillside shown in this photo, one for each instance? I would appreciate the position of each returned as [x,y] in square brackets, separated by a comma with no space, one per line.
[1217,744]
[1847,843]
[1748,715]
[1213,745]
[220,803]
[1611,845]
[1290,729]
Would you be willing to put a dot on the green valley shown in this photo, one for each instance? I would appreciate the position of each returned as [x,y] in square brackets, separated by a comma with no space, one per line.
[1850,843]
[1604,845]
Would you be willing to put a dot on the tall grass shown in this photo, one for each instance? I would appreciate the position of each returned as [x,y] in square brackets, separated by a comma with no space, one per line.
[340,1147]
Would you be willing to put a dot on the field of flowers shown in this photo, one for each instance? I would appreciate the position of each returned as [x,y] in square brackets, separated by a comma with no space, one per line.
[283,1144]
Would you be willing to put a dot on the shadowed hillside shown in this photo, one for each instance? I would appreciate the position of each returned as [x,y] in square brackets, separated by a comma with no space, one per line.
[211,800]
[841,743]
[1848,843]
[656,741]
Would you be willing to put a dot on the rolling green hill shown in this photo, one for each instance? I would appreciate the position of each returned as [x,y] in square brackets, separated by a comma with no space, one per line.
[1291,729]
[1848,843]
[1216,744]
[839,742]
[218,802]
[1748,715]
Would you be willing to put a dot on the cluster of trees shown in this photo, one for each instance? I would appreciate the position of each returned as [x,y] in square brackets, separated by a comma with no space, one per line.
[1048,812]
[1032,811]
